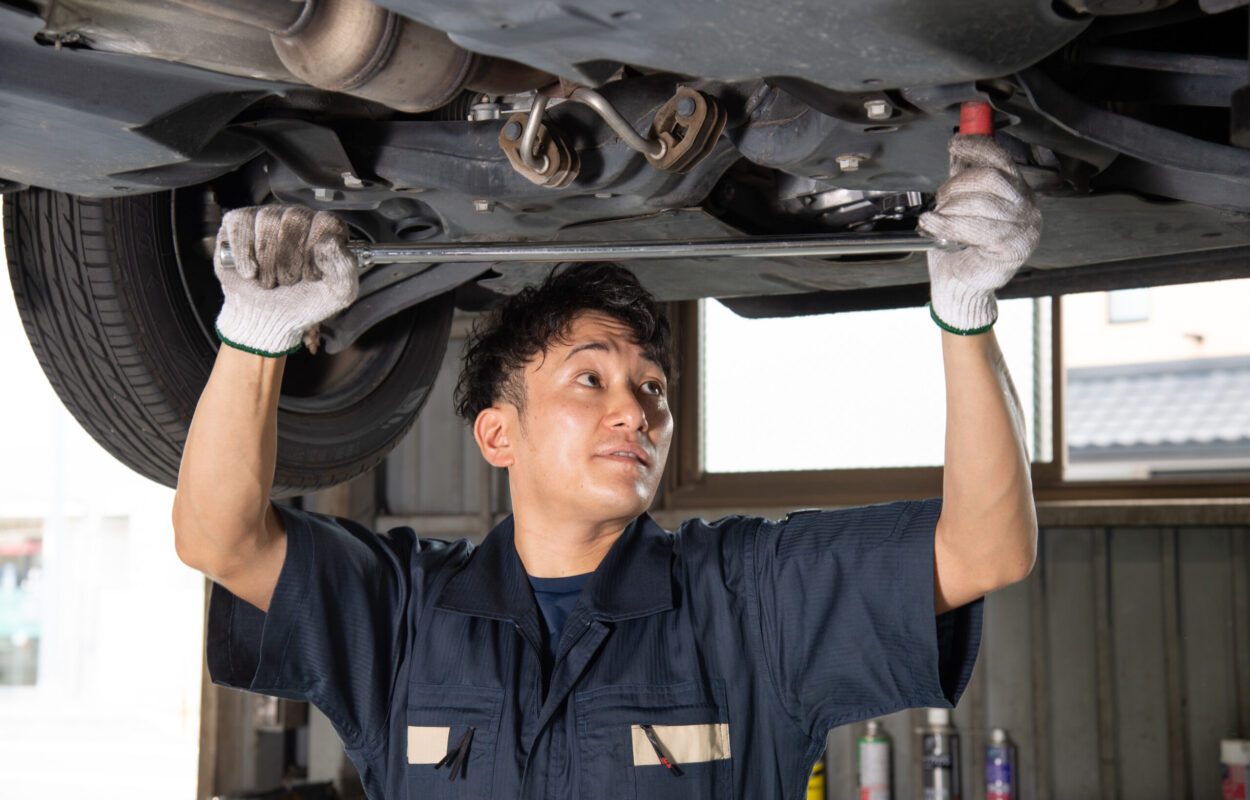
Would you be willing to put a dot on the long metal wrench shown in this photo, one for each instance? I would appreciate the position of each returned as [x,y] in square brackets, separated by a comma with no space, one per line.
[743,247]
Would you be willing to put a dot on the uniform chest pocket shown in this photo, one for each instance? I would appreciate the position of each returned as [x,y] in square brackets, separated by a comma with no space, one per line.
[452,731]
[654,742]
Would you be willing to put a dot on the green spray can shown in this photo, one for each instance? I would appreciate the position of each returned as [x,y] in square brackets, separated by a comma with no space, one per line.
[872,761]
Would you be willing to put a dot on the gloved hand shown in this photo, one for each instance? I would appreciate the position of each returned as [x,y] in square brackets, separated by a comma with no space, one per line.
[986,205]
[292,269]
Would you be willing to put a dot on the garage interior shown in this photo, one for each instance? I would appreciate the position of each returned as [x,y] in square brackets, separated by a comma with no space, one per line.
[1115,669]
[1120,668]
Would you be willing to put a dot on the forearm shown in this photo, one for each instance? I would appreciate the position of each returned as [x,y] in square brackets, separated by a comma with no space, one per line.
[221,508]
[988,526]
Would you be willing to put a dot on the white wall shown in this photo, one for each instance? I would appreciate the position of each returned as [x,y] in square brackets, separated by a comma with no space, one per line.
[115,712]
[1197,320]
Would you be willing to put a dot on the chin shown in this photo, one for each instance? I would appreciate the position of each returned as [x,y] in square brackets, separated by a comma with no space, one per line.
[617,506]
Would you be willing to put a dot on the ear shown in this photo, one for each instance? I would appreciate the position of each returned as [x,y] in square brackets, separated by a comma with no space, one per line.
[492,432]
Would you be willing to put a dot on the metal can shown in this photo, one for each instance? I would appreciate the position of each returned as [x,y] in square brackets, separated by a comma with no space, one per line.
[1000,767]
[872,762]
[939,746]
[1235,768]
[816,783]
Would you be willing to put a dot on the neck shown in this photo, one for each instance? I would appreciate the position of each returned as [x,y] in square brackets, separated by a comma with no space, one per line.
[553,549]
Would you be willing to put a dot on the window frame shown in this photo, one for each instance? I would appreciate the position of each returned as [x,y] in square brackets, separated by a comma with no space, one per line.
[687,486]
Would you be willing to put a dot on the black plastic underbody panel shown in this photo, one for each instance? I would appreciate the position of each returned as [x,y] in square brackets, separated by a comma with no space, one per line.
[70,117]
[850,45]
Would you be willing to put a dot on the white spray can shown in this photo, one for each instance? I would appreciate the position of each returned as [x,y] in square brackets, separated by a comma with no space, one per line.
[1235,768]
[939,746]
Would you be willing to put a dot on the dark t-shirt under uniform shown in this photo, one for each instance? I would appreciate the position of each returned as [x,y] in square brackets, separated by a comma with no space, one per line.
[556,598]
[731,647]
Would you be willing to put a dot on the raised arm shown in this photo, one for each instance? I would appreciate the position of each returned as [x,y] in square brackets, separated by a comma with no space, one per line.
[224,524]
[291,271]
[987,532]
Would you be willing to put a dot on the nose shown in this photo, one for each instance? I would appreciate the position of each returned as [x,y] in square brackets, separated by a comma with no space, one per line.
[626,411]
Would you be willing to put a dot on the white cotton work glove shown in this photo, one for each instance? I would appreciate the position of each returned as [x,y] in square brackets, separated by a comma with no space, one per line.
[292,269]
[987,206]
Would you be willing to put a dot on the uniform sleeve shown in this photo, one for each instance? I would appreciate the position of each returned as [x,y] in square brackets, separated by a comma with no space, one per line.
[847,615]
[335,627]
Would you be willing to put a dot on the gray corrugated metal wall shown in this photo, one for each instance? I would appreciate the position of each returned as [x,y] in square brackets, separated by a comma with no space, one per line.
[1116,668]
[437,472]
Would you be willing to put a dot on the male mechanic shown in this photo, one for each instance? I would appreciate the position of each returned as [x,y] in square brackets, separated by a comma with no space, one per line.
[581,651]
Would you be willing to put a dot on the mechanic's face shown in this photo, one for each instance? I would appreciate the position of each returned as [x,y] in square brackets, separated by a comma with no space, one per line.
[593,437]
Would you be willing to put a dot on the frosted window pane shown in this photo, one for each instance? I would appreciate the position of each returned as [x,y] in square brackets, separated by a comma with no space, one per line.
[836,391]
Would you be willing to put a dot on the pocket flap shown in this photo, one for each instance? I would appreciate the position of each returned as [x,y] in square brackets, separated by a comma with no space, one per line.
[685,744]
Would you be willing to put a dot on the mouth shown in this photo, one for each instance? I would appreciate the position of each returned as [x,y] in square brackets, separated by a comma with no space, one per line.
[633,455]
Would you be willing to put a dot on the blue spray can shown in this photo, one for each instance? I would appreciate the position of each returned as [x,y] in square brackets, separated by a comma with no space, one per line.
[1000,767]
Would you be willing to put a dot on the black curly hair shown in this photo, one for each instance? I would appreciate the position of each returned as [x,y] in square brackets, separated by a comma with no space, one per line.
[537,317]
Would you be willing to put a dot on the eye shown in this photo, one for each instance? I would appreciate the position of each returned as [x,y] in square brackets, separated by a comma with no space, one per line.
[653,388]
[589,379]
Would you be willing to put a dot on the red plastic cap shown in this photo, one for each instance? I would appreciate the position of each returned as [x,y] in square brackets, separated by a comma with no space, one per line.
[976,118]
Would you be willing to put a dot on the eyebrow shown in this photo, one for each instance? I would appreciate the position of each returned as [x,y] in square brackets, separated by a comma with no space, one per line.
[586,346]
[597,345]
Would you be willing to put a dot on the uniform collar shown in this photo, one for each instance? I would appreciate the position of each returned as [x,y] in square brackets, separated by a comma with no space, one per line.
[633,580]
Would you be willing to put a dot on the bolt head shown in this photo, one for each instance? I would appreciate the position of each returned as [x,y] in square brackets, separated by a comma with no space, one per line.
[483,206]
[877,109]
[685,106]
[322,194]
[480,112]
[352,182]
[849,163]
[512,131]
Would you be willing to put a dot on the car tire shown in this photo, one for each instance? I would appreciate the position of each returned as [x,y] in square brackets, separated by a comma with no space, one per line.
[119,311]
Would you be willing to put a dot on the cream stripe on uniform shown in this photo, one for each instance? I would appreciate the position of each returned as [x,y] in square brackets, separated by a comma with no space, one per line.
[427,745]
[684,744]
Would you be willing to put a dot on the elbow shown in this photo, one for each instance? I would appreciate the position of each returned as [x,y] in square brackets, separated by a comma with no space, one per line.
[183,548]
[1019,563]
[1023,567]
[189,541]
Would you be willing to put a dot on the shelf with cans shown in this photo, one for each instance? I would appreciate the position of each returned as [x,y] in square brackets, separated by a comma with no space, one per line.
[940,763]
[939,755]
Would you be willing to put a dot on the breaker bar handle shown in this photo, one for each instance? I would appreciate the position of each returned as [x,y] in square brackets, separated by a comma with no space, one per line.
[815,245]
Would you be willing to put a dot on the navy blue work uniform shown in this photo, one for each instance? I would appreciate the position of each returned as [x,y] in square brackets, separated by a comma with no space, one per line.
[727,648]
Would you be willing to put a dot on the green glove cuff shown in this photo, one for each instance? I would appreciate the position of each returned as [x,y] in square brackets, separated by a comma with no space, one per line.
[958,331]
[253,350]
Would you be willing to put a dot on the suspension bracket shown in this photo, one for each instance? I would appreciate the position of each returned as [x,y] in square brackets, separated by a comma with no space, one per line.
[552,162]
[689,125]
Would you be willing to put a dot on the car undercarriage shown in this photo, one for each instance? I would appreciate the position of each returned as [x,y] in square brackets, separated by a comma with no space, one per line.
[443,121]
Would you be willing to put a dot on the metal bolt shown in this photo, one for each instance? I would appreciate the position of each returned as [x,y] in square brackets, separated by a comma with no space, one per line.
[877,109]
[685,106]
[323,194]
[484,206]
[849,163]
[512,131]
[352,182]
[480,112]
